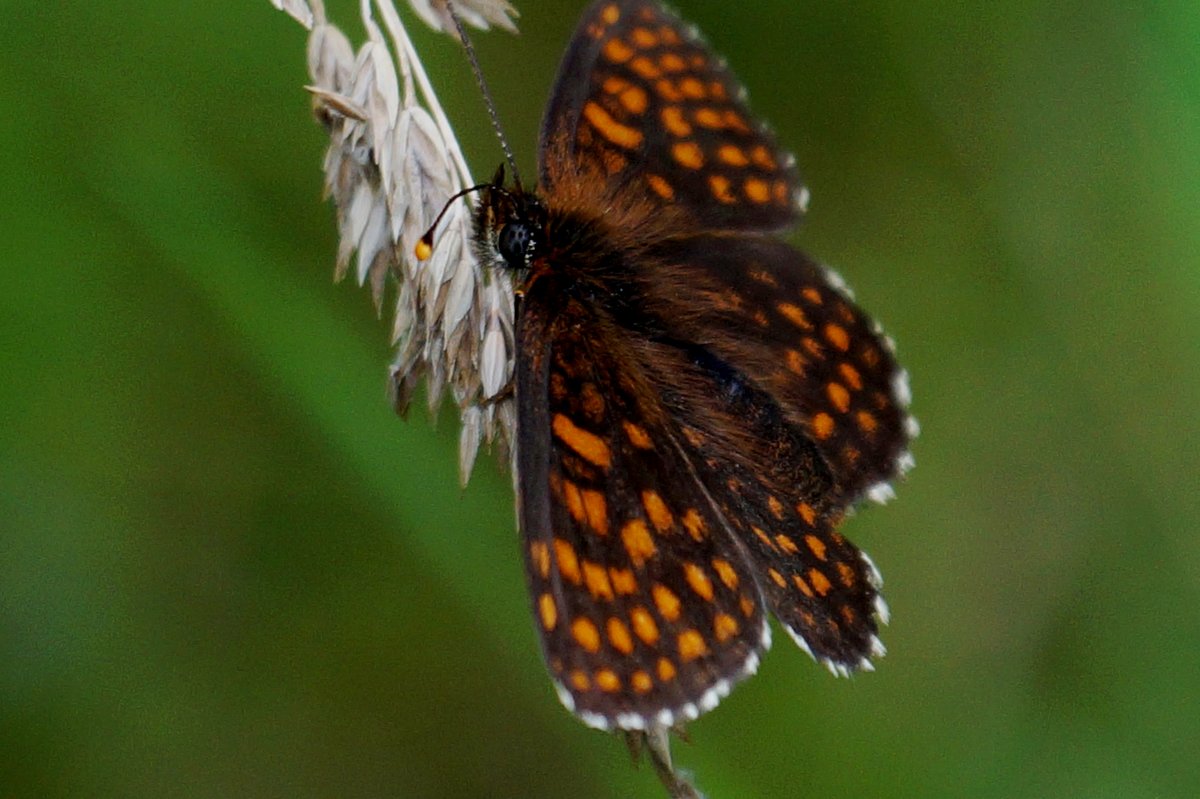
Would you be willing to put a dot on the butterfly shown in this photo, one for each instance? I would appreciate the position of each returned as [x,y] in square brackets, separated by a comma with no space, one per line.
[698,403]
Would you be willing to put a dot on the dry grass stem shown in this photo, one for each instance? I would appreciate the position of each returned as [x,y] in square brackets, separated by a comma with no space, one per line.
[392,162]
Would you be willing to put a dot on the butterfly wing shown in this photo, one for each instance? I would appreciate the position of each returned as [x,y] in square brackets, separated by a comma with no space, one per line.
[647,612]
[790,329]
[643,113]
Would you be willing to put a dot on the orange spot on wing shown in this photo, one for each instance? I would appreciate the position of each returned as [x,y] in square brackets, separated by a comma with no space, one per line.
[820,582]
[747,605]
[709,118]
[812,295]
[616,51]
[717,90]
[634,99]
[641,682]
[724,627]
[638,542]
[644,38]
[673,121]
[694,524]
[807,513]
[568,561]
[846,574]
[839,397]
[623,581]
[816,546]
[666,89]
[596,578]
[777,578]
[656,511]
[580,681]
[596,510]
[548,611]
[608,681]
[671,62]
[688,154]
[795,315]
[585,634]
[822,426]
[663,189]
[614,162]
[762,536]
[795,362]
[614,85]
[734,120]
[775,506]
[719,184]
[732,155]
[802,586]
[757,190]
[588,446]
[637,435]
[814,347]
[645,68]
[610,14]
[786,544]
[725,572]
[611,129]
[573,498]
[698,580]
[851,376]
[644,626]
[837,336]
[668,35]
[691,645]
[692,89]
[666,670]
[762,157]
[619,637]
[667,603]
[866,422]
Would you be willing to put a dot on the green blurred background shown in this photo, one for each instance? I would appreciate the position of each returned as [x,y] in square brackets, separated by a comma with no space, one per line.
[226,569]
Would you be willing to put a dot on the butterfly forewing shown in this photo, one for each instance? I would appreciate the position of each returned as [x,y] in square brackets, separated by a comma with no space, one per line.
[647,612]
[643,112]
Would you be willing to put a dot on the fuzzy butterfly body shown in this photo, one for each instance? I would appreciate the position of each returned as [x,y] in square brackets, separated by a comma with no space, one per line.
[698,403]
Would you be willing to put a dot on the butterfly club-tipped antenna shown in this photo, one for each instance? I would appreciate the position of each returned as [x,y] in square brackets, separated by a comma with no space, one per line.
[424,248]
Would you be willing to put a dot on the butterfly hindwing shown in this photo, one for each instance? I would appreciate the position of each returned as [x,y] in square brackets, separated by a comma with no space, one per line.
[647,613]
[774,494]
[791,328]
[643,111]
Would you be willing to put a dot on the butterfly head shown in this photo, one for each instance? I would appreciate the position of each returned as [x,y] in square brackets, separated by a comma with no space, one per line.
[509,225]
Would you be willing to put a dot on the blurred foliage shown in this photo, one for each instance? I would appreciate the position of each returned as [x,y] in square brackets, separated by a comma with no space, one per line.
[227,570]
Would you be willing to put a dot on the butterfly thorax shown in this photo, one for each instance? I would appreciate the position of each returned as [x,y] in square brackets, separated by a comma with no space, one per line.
[575,250]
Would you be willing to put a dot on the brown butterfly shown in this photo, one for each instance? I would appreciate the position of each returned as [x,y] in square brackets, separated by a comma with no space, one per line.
[698,404]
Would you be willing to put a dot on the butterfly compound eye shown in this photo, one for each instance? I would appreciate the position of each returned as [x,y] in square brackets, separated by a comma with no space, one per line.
[515,243]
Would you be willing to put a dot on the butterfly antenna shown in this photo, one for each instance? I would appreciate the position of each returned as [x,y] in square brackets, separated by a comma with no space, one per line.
[424,247]
[487,94]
